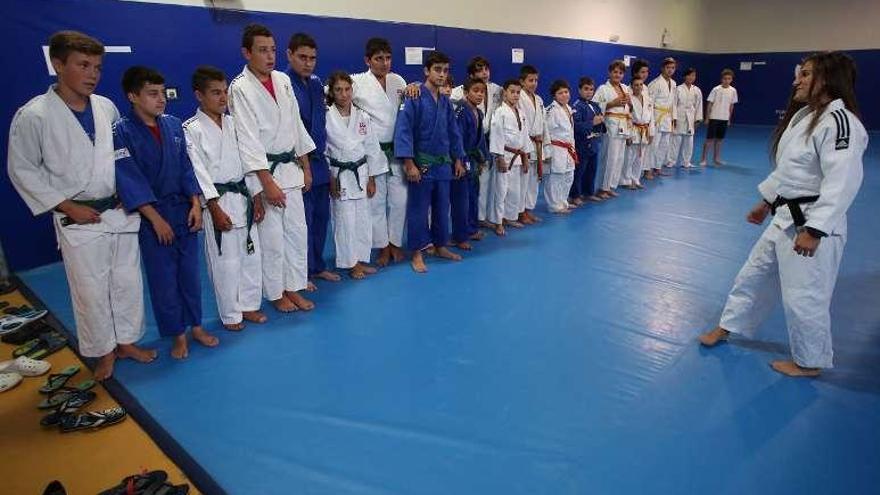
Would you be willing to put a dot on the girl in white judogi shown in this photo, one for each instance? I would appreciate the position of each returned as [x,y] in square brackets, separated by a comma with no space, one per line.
[818,149]
[354,153]
[613,98]
[642,133]
[563,157]
[689,105]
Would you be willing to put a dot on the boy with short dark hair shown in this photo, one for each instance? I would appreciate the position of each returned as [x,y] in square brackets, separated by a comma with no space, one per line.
[719,112]
[588,128]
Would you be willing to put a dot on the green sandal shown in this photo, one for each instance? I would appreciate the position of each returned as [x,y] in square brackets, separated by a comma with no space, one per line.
[65,393]
[57,380]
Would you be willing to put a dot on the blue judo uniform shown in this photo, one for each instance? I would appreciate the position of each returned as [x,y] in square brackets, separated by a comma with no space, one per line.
[161,174]
[427,133]
[316,201]
[466,190]
[587,148]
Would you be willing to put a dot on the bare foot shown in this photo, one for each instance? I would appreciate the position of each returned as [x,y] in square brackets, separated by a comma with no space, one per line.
[714,336]
[369,270]
[613,193]
[311,287]
[499,230]
[418,263]
[649,175]
[300,301]
[384,256]
[445,253]
[397,254]
[180,350]
[577,202]
[104,369]
[513,224]
[202,336]
[233,327]
[535,218]
[478,235]
[485,225]
[254,316]
[524,219]
[594,199]
[284,305]
[790,368]
[328,276]
[356,273]
[464,245]
[640,186]
[131,351]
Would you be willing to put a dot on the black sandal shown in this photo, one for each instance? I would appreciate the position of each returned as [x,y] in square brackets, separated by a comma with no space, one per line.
[92,420]
[138,484]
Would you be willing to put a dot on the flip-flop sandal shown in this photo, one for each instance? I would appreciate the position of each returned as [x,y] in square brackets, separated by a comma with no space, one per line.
[167,489]
[55,488]
[12,322]
[71,405]
[9,380]
[26,333]
[58,380]
[92,420]
[19,310]
[50,343]
[25,366]
[138,484]
[25,348]
[4,304]
[65,393]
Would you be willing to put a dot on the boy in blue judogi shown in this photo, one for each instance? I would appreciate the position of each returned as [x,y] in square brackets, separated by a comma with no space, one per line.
[154,176]
[466,190]
[588,128]
[427,139]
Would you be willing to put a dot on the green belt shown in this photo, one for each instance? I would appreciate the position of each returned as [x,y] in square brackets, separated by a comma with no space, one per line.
[429,160]
[240,188]
[348,166]
[275,160]
[388,149]
[100,205]
[477,160]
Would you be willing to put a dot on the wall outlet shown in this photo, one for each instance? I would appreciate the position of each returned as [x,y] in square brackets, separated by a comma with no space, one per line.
[170,93]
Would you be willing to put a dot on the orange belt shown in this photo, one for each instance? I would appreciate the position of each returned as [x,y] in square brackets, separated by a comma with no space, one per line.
[643,130]
[568,147]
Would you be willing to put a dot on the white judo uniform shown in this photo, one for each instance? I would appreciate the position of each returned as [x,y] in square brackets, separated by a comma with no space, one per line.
[52,159]
[617,124]
[509,132]
[235,266]
[268,125]
[689,108]
[533,113]
[662,93]
[560,134]
[641,132]
[354,156]
[826,163]
[388,206]
[493,99]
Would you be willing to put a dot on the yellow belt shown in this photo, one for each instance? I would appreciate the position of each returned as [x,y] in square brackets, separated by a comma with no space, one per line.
[661,112]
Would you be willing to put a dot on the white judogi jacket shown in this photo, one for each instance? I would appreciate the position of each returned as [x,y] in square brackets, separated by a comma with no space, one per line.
[493,100]
[663,95]
[214,154]
[642,113]
[51,159]
[267,125]
[381,104]
[689,108]
[826,162]
[508,131]
[617,127]
[349,142]
[560,127]
[534,116]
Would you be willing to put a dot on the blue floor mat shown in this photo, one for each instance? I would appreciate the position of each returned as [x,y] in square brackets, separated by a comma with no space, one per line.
[559,360]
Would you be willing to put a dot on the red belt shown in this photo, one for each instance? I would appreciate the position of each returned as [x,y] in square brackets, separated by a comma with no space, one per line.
[568,147]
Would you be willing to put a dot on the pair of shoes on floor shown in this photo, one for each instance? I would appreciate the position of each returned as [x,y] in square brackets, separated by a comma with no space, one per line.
[151,483]
[13,321]
[44,345]
[12,372]
[27,332]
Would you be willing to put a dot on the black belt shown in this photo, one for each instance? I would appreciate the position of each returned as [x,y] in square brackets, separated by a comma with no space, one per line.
[279,158]
[100,205]
[794,206]
[239,188]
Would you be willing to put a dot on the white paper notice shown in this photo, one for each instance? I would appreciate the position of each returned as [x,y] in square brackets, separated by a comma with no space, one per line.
[627,59]
[517,55]
[414,54]
[745,66]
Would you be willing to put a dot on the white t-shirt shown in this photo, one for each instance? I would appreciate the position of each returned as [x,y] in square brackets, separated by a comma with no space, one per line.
[721,99]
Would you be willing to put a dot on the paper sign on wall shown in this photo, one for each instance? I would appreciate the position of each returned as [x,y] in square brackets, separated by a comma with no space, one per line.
[745,66]
[517,55]
[413,54]
[627,59]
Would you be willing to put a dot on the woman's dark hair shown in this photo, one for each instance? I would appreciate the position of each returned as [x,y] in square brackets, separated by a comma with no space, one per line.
[836,73]
[335,77]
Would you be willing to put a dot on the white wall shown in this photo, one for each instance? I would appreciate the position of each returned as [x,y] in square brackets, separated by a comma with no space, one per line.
[578,19]
[713,26]
[790,25]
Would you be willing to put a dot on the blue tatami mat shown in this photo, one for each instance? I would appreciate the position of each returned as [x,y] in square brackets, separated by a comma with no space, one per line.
[559,360]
